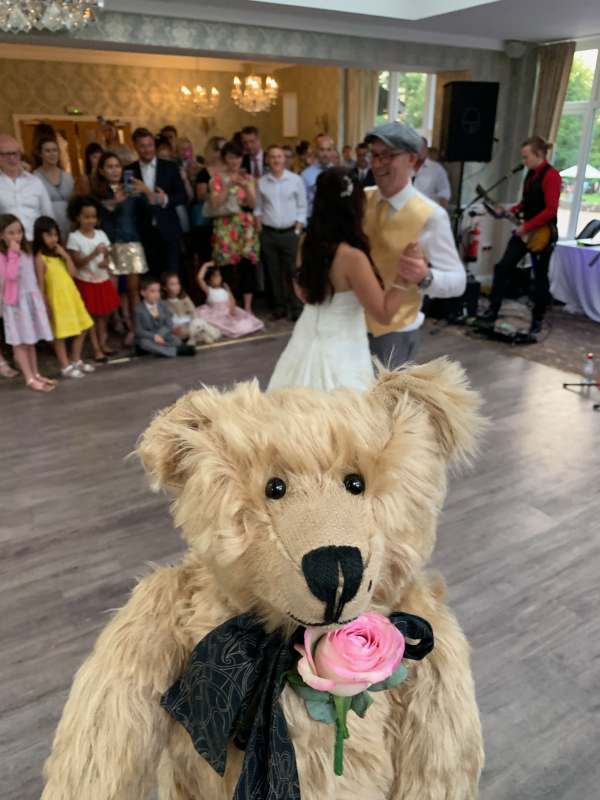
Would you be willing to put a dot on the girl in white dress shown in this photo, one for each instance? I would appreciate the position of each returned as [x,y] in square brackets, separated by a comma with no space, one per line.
[337,282]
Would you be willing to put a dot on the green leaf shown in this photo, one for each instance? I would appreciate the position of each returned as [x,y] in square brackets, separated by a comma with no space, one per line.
[395,679]
[361,703]
[321,712]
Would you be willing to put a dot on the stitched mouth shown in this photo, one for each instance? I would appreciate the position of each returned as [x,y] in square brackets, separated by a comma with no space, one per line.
[320,624]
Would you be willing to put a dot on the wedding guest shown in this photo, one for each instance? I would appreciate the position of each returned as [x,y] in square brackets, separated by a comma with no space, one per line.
[290,158]
[231,200]
[202,226]
[362,172]
[89,249]
[120,208]
[347,160]
[21,193]
[324,160]
[281,215]
[160,228]
[254,161]
[154,325]
[113,144]
[91,158]
[59,184]
[220,309]
[169,132]
[188,324]
[68,316]
[304,156]
[23,308]
[431,178]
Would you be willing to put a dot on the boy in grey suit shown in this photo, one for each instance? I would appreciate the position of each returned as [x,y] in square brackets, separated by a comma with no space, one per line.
[154,325]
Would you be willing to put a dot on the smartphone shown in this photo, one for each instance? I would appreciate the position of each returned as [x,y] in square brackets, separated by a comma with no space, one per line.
[128,181]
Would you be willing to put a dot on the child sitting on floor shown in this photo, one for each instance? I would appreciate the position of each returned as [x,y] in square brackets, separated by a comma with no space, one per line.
[193,329]
[221,309]
[154,324]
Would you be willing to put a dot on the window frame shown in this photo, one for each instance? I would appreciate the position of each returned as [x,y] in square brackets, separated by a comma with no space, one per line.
[428,108]
[588,109]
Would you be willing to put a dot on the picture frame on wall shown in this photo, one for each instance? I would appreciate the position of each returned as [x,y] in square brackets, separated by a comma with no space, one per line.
[289,105]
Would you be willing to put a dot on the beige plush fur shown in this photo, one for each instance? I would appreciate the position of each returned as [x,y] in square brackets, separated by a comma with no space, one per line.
[216,451]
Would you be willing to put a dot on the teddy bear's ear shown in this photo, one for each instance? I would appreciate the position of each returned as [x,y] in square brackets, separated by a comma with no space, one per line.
[441,387]
[175,437]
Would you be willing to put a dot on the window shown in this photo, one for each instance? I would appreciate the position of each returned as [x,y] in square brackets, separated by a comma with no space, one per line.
[577,150]
[407,96]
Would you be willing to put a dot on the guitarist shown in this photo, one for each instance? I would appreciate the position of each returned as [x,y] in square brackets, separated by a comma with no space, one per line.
[538,207]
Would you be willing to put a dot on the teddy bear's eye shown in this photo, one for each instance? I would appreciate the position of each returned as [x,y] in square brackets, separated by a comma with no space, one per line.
[354,484]
[275,488]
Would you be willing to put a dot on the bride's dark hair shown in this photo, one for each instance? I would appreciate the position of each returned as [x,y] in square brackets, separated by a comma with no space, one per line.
[337,217]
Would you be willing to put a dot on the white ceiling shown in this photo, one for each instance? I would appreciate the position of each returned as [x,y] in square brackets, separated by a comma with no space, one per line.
[391,9]
[486,25]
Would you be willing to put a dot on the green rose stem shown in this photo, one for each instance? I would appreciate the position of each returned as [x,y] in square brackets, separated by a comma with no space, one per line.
[342,706]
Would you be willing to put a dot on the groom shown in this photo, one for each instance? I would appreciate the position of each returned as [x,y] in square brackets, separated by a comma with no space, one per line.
[410,239]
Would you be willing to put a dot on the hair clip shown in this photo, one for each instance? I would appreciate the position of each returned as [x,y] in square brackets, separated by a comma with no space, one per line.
[348,187]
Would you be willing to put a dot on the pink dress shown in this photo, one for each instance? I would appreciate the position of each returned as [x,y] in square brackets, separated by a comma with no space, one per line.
[232,323]
[21,302]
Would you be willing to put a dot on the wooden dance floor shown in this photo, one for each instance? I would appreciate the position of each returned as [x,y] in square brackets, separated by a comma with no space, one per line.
[519,545]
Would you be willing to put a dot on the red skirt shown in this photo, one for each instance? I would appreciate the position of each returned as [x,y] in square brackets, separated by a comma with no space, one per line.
[100,299]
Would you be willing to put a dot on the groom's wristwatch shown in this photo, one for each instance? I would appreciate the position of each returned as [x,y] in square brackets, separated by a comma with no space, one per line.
[427,280]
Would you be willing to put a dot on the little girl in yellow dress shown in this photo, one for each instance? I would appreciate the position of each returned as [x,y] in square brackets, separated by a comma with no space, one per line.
[68,315]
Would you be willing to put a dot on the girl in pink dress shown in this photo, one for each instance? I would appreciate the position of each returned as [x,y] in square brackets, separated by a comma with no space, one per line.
[221,309]
[22,305]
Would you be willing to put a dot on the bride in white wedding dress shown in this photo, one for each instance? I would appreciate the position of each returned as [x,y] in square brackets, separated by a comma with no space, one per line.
[336,280]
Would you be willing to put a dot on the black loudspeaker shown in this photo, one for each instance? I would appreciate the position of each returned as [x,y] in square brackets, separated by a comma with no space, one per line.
[468,120]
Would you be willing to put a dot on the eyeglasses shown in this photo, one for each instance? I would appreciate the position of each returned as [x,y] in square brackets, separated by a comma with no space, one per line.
[386,156]
[11,154]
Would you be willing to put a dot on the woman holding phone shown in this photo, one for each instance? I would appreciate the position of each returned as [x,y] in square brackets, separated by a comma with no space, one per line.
[120,206]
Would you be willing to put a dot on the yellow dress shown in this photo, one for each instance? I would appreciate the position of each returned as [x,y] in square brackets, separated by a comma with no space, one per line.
[69,315]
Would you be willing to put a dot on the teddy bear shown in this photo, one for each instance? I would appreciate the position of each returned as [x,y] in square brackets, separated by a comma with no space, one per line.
[299,508]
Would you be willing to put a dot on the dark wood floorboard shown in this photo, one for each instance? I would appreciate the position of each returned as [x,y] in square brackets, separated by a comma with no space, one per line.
[519,545]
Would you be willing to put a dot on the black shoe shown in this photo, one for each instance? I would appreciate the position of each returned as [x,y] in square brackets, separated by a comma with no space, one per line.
[186,350]
[487,320]
[536,326]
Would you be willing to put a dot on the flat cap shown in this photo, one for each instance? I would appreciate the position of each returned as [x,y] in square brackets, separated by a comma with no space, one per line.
[397,135]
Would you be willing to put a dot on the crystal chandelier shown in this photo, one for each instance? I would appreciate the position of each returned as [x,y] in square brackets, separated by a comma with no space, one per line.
[253,97]
[203,101]
[22,16]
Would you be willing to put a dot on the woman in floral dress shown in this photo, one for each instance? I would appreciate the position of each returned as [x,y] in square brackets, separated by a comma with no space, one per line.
[231,200]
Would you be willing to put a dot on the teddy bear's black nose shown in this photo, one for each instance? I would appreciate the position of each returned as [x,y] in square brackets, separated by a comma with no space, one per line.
[333,575]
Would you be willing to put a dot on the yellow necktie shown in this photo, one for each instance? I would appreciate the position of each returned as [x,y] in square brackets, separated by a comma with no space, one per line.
[382,211]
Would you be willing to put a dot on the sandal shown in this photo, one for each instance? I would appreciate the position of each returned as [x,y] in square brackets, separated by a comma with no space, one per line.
[47,381]
[7,371]
[37,386]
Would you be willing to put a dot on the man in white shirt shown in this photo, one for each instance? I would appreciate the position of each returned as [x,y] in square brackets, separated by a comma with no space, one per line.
[21,193]
[431,178]
[281,215]
[429,264]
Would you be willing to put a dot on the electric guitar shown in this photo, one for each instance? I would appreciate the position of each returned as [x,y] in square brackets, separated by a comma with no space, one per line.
[537,241]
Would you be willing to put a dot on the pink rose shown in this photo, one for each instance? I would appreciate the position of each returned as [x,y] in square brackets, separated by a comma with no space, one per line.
[348,660]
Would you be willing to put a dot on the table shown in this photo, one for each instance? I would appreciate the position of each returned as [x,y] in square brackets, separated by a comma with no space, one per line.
[573,281]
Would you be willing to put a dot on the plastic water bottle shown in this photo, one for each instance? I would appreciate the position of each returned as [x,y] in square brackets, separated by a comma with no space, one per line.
[588,372]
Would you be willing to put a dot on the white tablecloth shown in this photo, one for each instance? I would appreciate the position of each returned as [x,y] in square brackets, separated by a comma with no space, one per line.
[573,281]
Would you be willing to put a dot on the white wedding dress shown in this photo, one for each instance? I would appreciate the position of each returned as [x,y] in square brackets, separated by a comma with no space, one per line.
[329,348]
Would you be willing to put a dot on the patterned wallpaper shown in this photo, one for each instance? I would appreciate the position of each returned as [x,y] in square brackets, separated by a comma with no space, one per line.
[148,97]
[319,95]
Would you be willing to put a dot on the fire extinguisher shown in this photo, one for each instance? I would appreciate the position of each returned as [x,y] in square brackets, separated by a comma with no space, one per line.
[473,243]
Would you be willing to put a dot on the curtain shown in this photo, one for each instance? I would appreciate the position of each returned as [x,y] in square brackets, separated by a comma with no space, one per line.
[362,87]
[554,67]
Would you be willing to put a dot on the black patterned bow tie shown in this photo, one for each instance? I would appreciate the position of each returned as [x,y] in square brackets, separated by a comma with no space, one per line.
[230,690]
